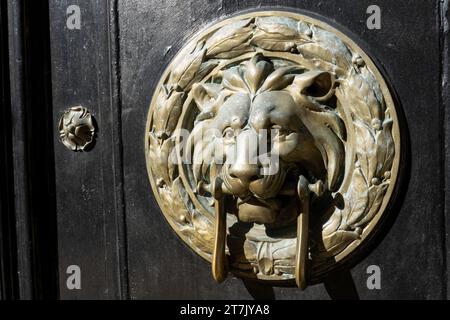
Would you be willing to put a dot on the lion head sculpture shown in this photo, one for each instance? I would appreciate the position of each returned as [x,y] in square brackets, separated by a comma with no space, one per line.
[273,147]
[271,124]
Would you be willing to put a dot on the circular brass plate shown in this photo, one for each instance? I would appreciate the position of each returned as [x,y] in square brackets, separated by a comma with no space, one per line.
[354,124]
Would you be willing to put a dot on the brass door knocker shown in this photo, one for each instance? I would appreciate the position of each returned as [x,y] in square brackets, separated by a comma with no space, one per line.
[273,147]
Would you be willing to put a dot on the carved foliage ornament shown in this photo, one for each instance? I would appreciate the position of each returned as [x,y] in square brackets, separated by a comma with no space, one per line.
[331,151]
[76,129]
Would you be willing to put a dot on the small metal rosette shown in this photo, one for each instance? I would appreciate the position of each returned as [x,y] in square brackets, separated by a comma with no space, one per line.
[77,129]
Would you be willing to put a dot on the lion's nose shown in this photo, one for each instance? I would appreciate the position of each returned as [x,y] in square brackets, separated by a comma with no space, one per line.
[246,173]
[245,167]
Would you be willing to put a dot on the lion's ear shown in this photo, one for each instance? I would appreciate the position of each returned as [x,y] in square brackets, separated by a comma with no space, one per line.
[204,93]
[316,84]
[327,128]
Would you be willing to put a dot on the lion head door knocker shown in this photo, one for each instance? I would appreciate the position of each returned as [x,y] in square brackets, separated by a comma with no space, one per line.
[273,147]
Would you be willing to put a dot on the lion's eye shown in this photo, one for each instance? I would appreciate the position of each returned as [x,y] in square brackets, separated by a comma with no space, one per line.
[228,133]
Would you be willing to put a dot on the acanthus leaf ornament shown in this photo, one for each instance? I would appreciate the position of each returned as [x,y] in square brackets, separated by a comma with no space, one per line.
[333,127]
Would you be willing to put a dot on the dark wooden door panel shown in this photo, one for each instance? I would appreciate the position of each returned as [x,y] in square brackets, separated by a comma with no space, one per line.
[88,184]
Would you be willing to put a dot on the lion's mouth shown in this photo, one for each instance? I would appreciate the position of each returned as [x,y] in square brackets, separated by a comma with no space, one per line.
[262,200]
[252,209]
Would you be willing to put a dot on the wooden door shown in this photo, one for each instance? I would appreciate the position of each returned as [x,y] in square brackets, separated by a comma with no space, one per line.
[107,220]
